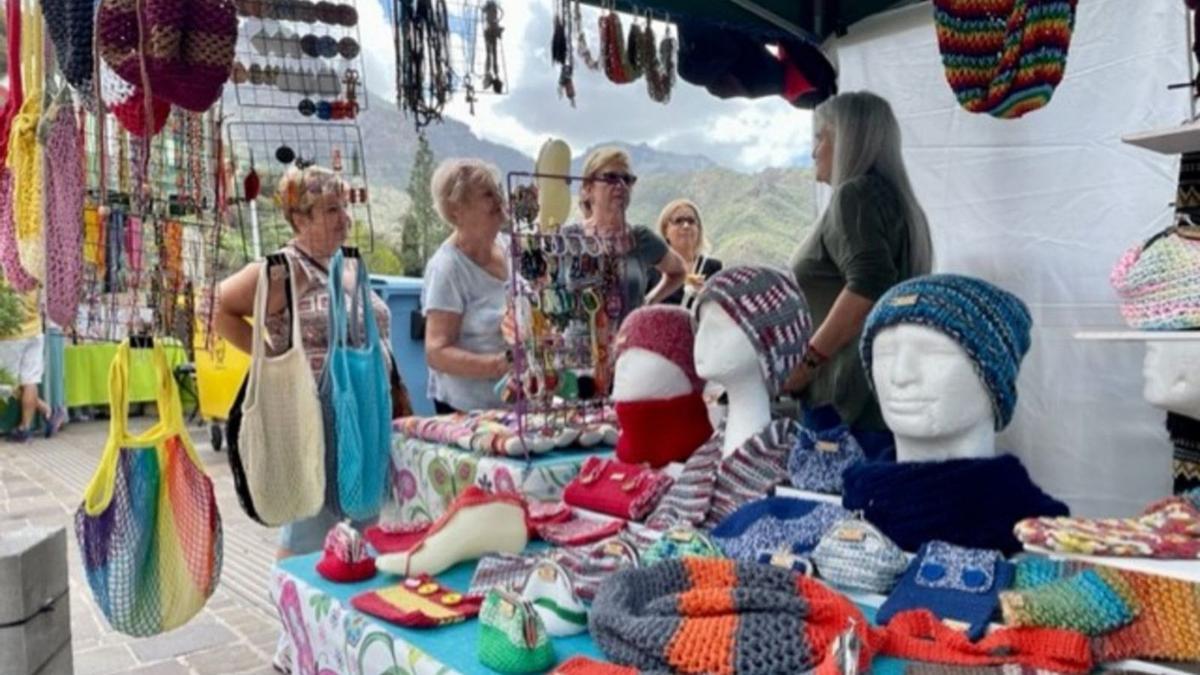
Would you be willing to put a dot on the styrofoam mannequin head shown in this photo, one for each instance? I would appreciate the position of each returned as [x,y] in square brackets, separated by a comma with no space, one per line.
[723,352]
[931,396]
[642,375]
[1172,374]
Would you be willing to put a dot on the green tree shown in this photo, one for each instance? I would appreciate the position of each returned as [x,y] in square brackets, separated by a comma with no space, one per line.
[12,311]
[422,229]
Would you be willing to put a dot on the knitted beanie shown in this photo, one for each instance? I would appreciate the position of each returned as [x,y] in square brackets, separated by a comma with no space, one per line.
[708,615]
[770,308]
[1004,57]
[961,584]
[1185,436]
[989,323]
[665,330]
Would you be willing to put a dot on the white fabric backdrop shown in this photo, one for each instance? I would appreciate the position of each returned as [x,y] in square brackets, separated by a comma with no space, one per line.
[1044,206]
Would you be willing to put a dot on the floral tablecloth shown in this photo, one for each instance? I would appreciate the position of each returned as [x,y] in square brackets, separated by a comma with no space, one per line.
[425,477]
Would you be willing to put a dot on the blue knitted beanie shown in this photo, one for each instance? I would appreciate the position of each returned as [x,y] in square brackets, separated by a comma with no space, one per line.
[991,324]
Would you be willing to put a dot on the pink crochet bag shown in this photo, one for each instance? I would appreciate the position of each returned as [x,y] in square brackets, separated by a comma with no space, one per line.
[64,216]
[10,257]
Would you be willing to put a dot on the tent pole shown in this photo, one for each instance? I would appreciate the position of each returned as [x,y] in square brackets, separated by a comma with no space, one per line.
[1191,40]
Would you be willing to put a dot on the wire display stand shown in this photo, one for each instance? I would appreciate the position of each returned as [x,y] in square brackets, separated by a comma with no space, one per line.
[566,300]
[302,56]
[270,148]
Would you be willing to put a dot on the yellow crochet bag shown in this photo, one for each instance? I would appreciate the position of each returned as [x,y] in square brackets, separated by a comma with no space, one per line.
[24,155]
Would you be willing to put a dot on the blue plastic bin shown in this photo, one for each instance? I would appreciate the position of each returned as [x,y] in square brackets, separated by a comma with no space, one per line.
[403,298]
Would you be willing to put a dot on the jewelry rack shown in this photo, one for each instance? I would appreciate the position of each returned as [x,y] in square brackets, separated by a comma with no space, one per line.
[300,55]
[270,148]
[566,300]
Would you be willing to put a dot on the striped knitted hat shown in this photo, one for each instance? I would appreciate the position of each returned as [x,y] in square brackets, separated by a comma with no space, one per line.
[1004,57]
[771,310]
[709,615]
[991,324]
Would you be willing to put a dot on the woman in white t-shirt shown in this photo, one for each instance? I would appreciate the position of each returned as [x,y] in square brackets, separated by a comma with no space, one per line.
[464,290]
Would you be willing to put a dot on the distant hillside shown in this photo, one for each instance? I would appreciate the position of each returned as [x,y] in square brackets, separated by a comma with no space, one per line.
[648,161]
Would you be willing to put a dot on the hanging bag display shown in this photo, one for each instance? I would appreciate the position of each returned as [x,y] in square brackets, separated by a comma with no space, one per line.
[10,258]
[277,446]
[357,401]
[148,528]
[25,155]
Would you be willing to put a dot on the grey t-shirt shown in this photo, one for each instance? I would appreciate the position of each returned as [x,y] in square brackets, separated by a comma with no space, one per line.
[455,283]
[648,250]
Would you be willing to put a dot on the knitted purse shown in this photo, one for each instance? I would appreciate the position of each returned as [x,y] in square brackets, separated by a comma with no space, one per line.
[854,554]
[592,565]
[1004,57]
[820,456]
[501,570]
[579,531]
[512,638]
[679,542]
[614,488]
[551,590]
[345,559]
[776,524]
[1157,283]
[418,602]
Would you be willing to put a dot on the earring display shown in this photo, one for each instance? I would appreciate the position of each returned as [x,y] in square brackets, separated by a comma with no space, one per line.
[298,55]
[297,144]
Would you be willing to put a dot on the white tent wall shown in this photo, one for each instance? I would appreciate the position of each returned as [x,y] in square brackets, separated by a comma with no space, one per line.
[1044,206]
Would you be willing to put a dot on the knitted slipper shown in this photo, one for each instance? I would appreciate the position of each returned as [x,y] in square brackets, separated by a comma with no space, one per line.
[553,596]
[1169,528]
[476,523]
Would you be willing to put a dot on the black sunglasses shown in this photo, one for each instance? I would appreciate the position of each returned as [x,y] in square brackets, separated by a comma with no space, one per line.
[682,220]
[617,177]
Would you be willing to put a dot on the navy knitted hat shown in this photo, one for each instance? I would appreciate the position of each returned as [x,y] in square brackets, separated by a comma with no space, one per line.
[991,324]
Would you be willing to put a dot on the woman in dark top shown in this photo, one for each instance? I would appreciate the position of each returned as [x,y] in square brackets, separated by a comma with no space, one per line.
[679,224]
[872,236]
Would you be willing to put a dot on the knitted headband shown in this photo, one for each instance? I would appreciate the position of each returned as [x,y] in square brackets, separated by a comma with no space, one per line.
[769,307]
[1004,57]
[989,323]
[664,330]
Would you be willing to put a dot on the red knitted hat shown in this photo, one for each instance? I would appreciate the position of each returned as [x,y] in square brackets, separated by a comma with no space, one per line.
[665,330]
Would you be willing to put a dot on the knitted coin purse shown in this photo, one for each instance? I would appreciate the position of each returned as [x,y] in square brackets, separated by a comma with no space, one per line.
[591,565]
[512,638]
[856,555]
[501,570]
[418,602]
[681,541]
[820,456]
[552,592]
[345,559]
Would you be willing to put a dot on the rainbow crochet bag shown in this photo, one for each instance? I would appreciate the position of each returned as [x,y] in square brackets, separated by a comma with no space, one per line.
[148,528]
[1004,57]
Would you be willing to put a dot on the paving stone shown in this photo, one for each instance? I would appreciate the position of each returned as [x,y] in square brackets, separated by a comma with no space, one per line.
[104,660]
[226,660]
[198,635]
[171,667]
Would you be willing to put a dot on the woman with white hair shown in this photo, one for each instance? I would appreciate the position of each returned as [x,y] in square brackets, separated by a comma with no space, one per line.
[464,292]
[872,236]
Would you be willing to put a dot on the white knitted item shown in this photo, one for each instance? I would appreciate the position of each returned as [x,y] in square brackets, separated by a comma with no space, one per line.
[282,439]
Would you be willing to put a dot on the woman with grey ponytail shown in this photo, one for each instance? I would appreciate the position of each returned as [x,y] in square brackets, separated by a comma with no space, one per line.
[872,236]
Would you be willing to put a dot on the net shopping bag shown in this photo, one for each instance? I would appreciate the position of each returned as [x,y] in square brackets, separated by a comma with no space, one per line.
[148,527]
[356,397]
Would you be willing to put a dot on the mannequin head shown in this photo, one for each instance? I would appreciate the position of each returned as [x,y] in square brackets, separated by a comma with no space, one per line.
[724,353]
[642,375]
[1172,374]
[943,353]
[654,355]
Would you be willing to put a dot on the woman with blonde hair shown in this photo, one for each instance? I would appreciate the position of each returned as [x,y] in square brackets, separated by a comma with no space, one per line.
[464,292]
[680,225]
[872,236]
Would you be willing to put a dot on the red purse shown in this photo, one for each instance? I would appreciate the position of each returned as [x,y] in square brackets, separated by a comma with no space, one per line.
[629,491]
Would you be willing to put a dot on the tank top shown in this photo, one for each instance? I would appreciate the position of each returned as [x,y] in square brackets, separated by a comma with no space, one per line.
[312,302]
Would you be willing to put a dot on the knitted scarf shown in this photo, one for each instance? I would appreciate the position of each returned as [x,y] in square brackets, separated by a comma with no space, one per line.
[968,502]
[707,615]
[1185,435]
[663,431]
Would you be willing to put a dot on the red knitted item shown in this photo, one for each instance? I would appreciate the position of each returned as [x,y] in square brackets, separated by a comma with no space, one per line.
[665,330]
[1167,626]
[385,541]
[617,489]
[342,572]
[661,432]
[131,113]
[579,531]
[581,665]
[418,602]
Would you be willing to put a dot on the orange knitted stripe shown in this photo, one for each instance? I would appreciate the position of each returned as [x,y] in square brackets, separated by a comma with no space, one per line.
[1168,625]
[708,573]
[704,645]
[829,615]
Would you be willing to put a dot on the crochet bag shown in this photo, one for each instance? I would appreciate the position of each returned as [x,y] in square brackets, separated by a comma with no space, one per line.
[356,401]
[820,456]
[278,459]
[512,637]
[854,554]
[25,157]
[148,528]
[64,214]
[15,274]
[614,488]
[1157,281]
[1004,57]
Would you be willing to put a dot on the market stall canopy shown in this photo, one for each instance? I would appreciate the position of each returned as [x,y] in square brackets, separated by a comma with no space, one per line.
[812,19]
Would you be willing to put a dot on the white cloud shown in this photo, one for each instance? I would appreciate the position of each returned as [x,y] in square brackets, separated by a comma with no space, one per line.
[740,133]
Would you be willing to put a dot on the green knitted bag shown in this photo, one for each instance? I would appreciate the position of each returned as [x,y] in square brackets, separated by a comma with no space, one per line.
[512,638]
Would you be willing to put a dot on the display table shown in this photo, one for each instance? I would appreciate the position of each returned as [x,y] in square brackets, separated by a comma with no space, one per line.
[332,636]
[86,372]
[426,477]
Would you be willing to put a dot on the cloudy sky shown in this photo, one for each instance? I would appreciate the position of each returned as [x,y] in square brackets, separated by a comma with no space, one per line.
[742,134]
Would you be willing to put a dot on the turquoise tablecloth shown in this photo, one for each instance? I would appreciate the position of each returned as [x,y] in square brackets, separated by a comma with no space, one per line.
[345,640]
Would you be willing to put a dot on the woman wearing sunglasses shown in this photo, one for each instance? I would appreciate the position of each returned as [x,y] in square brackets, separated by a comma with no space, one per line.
[604,200]
[679,224]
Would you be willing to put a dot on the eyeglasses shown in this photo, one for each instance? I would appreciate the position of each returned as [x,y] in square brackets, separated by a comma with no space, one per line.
[617,177]
[684,220]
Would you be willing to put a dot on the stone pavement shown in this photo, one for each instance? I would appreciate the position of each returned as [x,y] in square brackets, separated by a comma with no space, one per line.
[42,483]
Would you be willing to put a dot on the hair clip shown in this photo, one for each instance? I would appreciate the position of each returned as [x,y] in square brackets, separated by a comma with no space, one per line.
[307,107]
[308,45]
[306,12]
[327,46]
[348,47]
[347,15]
